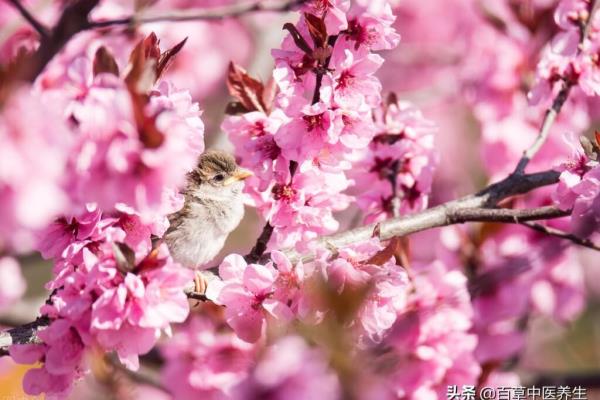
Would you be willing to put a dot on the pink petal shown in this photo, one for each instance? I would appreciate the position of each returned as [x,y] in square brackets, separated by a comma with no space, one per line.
[259,279]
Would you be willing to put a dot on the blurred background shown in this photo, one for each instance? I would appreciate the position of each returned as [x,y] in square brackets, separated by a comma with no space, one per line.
[468,65]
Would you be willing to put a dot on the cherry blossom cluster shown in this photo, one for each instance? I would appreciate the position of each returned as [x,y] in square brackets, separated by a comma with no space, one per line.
[431,338]
[494,67]
[257,296]
[98,137]
[572,57]
[104,158]
[302,141]
[33,159]
[395,174]
[421,318]
[579,186]
[112,290]
[495,78]
[514,276]
[204,359]
[90,183]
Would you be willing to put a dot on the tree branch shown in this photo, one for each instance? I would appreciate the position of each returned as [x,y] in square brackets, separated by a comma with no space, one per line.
[506,215]
[24,334]
[477,207]
[261,244]
[449,213]
[547,230]
[195,14]
[143,376]
[37,25]
[73,20]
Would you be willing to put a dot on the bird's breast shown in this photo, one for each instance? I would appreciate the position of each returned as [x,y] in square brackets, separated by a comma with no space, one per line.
[201,232]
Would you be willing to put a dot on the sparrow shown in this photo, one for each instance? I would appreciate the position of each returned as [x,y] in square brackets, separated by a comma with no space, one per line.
[213,208]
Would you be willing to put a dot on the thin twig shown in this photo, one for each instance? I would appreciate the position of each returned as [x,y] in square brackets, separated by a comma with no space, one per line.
[37,25]
[196,14]
[143,376]
[73,20]
[506,215]
[547,230]
[557,104]
[549,119]
[588,25]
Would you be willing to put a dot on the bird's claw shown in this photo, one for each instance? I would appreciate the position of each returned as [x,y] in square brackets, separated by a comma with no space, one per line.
[200,283]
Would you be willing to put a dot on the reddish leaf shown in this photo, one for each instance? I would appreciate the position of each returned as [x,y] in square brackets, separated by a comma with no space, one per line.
[150,262]
[140,79]
[317,30]
[590,148]
[298,38]
[269,92]
[376,231]
[597,137]
[124,257]
[150,46]
[142,65]
[10,71]
[235,108]
[104,63]
[393,249]
[247,90]
[403,257]
[391,99]
[166,59]
[149,134]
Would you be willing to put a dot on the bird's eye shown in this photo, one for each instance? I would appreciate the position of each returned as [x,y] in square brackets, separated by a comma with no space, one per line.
[219,178]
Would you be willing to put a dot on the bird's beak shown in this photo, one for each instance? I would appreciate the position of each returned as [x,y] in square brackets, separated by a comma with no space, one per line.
[238,175]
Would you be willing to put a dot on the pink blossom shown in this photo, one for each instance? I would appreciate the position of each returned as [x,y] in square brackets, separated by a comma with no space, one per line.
[33,159]
[320,122]
[431,337]
[12,283]
[310,132]
[290,369]
[579,189]
[400,160]
[64,231]
[247,295]
[132,310]
[302,209]
[62,353]
[354,85]
[107,294]
[253,135]
[200,361]
[571,58]
[370,25]
[389,283]
[19,36]
[333,12]
[111,165]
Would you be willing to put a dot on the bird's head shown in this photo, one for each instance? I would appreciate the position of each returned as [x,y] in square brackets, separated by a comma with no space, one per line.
[216,176]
